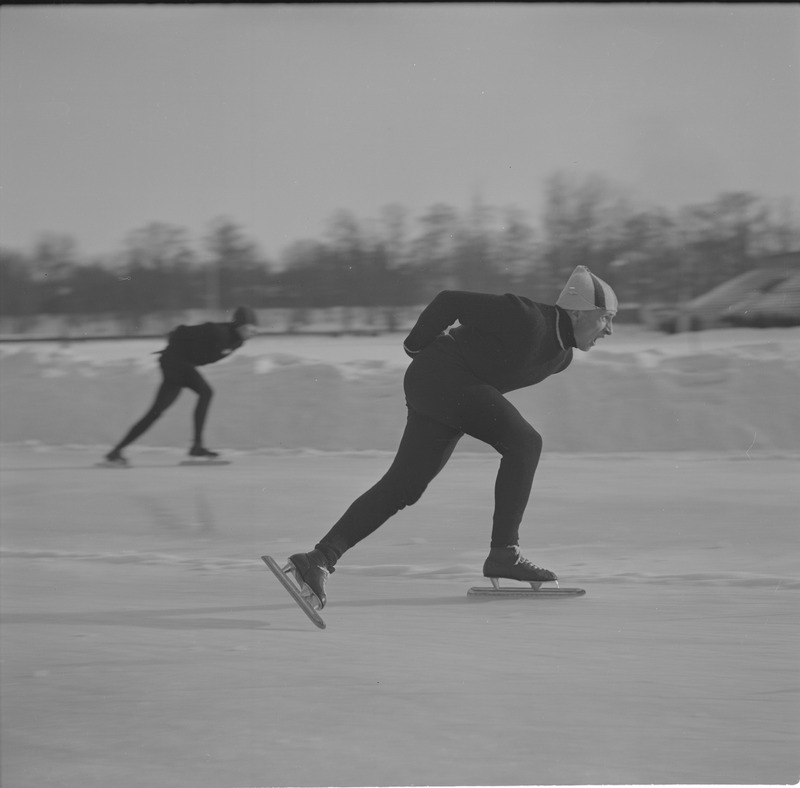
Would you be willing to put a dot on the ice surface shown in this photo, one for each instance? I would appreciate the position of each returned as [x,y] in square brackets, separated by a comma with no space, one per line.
[145,644]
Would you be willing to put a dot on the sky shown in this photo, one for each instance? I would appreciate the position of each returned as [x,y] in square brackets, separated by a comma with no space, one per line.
[277,116]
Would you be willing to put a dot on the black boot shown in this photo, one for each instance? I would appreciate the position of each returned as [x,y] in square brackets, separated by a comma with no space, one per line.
[312,570]
[200,451]
[114,457]
[507,562]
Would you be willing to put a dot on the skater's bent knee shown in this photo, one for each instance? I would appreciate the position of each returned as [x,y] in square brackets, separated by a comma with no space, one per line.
[403,495]
[525,443]
[533,441]
[409,497]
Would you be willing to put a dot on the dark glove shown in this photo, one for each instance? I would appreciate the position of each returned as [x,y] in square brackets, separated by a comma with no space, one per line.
[409,352]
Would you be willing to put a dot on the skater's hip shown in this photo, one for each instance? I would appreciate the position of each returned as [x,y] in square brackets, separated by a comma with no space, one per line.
[178,370]
[436,386]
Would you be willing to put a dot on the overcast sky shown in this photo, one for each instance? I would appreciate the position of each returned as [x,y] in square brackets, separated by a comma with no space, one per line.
[276,116]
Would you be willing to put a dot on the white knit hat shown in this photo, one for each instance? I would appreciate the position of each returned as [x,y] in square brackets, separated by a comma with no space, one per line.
[585,291]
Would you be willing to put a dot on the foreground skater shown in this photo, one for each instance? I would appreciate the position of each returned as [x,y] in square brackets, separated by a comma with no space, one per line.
[455,386]
[190,347]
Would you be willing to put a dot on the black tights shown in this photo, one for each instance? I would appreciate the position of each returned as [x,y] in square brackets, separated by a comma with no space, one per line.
[443,405]
[177,375]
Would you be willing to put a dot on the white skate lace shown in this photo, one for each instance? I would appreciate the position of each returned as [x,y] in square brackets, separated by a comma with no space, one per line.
[522,561]
[529,564]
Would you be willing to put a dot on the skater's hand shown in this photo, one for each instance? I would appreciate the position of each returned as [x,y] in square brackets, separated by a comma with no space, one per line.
[409,352]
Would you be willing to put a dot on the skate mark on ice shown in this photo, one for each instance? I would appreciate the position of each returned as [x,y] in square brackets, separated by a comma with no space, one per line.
[188,618]
[133,557]
[719,579]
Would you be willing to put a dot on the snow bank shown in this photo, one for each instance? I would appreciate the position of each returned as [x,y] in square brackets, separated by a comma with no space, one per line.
[726,390]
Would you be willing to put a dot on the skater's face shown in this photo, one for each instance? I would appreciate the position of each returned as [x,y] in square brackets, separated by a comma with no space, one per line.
[246,331]
[591,325]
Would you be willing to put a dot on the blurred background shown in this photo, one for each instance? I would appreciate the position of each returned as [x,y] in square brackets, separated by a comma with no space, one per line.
[335,166]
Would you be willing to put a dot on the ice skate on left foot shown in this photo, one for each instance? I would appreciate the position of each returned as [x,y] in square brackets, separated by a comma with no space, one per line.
[311,572]
[114,459]
[299,590]
[508,563]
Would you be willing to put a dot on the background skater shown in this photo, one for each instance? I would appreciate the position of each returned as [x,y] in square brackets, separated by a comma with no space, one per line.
[190,347]
[455,386]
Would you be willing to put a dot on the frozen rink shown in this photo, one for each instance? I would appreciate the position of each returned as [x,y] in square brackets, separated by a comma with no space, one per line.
[145,644]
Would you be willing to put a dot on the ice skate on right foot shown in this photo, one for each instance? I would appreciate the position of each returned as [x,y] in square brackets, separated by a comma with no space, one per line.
[508,563]
[197,450]
[311,572]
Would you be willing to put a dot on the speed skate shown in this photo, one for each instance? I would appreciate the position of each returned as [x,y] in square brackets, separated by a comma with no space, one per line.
[202,461]
[520,592]
[300,593]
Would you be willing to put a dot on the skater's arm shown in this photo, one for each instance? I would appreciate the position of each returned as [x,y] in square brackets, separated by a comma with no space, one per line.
[220,341]
[493,314]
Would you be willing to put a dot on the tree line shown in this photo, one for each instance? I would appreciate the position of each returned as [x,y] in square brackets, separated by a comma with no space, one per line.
[650,255]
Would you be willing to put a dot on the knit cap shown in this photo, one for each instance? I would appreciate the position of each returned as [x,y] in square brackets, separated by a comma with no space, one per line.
[585,291]
[244,315]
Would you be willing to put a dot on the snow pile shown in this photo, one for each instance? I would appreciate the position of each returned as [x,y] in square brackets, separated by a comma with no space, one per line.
[727,390]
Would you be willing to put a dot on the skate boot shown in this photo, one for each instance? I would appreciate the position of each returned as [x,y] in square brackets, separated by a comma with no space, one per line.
[200,451]
[311,572]
[507,562]
[116,460]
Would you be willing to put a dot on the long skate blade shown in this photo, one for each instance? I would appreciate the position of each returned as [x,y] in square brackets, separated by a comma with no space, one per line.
[524,593]
[293,590]
[200,461]
[533,585]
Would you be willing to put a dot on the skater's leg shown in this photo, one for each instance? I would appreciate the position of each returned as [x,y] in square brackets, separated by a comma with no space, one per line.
[487,415]
[424,450]
[197,383]
[166,395]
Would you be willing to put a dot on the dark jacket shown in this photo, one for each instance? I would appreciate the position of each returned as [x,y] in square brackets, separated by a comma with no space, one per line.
[203,344]
[506,340]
